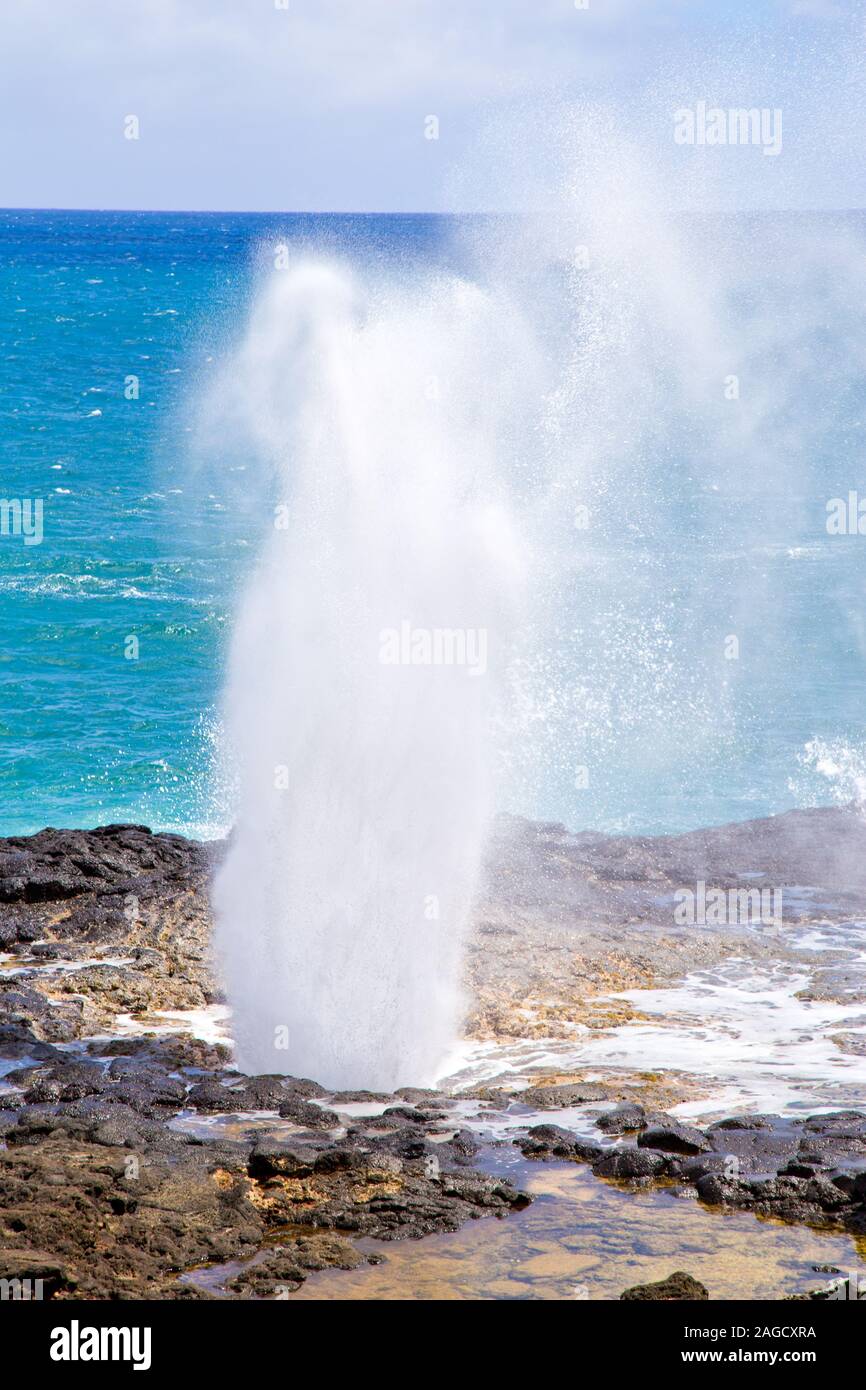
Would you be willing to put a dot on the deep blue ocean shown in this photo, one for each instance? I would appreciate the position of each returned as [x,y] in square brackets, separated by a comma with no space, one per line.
[87,300]
[134,545]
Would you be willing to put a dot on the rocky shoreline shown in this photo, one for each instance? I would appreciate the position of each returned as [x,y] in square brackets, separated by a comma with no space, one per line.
[132,1156]
[810,1171]
[114,923]
[133,1203]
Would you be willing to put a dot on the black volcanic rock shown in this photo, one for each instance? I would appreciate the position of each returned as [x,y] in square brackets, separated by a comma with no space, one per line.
[304,1112]
[97,1158]
[672,1137]
[551,1141]
[629,1164]
[677,1286]
[623,1119]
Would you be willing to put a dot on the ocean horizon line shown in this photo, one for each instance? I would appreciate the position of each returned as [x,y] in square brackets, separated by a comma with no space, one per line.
[702,213]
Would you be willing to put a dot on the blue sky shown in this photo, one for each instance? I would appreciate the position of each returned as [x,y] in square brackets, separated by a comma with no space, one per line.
[322,105]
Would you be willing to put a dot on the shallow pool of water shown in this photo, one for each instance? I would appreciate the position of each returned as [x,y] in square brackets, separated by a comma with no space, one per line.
[583,1238]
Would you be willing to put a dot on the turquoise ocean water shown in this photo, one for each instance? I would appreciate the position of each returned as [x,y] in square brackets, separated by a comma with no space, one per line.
[130,546]
[674,733]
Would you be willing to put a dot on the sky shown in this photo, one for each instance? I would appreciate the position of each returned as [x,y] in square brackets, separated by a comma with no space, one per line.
[324,104]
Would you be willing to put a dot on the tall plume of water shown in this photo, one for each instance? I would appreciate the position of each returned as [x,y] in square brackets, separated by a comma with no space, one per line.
[582,370]
[364,671]
[403,429]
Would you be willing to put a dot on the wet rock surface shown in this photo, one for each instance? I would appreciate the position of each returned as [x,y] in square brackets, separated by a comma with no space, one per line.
[552,1141]
[182,1178]
[100,923]
[282,1269]
[810,1171]
[128,1163]
[677,1286]
[118,920]
[556,927]
[143,1202]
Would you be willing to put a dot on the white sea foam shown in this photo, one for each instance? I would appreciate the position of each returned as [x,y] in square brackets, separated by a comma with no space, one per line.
[740,1029]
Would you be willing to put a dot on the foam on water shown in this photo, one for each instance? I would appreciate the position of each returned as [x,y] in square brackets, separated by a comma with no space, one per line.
[740,1029]
[209,1024]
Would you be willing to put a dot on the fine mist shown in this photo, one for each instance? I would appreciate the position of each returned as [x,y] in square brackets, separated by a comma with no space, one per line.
[646,400]
[364,671]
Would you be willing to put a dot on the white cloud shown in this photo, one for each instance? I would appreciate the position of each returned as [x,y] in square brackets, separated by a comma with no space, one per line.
[815,9]
[244,105]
